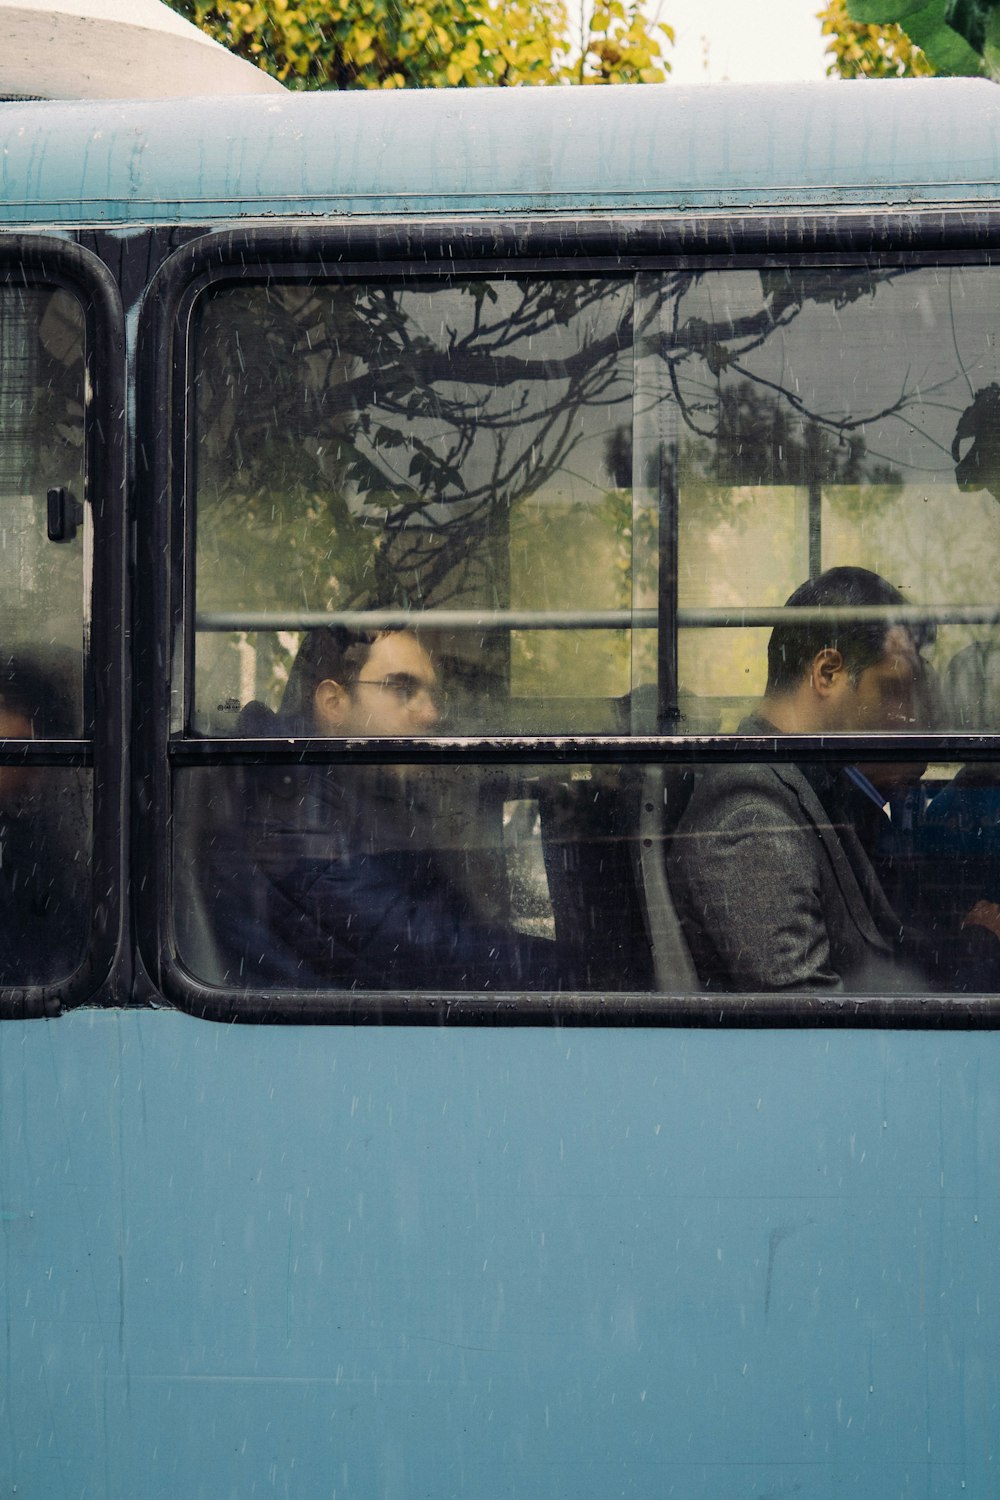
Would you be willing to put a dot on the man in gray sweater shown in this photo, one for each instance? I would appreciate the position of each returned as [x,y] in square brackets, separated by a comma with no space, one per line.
[769,867]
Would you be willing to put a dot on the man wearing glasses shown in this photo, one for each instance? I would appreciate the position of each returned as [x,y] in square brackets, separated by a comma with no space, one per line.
[359,893]
[354,686]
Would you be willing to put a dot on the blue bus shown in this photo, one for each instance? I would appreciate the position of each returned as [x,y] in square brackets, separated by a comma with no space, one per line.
[400,497]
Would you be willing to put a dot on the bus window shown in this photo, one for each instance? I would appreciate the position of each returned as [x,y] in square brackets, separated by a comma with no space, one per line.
[45,813]
[839,416]
[449,447]
[42,402]
[409,878]
[552,505]
[831,419]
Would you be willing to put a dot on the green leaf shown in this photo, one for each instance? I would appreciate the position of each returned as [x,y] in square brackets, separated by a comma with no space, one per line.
[970,19]
[886,12]
[991,46]
[927,24]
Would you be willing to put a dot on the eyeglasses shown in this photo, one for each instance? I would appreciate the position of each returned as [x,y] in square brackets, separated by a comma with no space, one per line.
[406,689]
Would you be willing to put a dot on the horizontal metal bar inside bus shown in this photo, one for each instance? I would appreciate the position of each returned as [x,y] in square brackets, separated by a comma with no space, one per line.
[590,749]
[726,617]
[431,619]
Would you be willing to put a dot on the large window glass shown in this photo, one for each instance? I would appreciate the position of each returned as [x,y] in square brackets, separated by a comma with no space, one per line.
[45,808]
[550,505]
[483,879]
[458,449]
[833,417]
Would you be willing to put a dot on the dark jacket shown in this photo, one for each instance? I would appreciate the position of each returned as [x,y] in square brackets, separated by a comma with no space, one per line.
[350,891]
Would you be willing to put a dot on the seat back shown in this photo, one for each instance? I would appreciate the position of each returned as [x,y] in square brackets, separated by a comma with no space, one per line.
[223,839]
[664,796]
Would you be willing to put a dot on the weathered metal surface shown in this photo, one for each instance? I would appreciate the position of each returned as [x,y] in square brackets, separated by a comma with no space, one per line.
[458,152]
[301,1262]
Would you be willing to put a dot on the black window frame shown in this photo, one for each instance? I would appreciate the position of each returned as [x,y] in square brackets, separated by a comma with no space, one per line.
[29,260]
[484,246]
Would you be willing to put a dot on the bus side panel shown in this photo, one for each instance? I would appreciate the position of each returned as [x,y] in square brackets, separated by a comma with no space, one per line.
[407,1262]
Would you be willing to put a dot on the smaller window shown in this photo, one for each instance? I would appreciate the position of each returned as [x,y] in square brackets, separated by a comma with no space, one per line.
[45,809]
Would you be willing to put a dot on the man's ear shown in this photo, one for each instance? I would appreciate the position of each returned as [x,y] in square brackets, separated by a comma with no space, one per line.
[331,702]
[827,671]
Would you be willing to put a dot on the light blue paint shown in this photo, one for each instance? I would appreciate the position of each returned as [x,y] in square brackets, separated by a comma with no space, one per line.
[911,143]
[413,1262]
[390,1262]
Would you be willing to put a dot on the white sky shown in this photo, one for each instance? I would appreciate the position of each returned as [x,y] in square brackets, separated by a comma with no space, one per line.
[777,41]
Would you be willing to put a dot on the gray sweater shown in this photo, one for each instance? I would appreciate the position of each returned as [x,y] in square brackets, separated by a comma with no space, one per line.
[773,894]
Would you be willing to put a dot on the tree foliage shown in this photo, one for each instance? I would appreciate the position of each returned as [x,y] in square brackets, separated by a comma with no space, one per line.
[381,44]
[387,435]
[960,37]
[860,50]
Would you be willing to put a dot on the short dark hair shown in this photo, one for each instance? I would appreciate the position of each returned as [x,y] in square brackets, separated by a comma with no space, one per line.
[793,647]
[332,651]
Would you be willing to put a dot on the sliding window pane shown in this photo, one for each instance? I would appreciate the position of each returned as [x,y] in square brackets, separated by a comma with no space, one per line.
[45,810]
[43,608]
[454,452]
[411,878]
[838,417]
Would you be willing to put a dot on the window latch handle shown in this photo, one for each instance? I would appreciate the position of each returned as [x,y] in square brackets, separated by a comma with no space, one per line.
[64,515]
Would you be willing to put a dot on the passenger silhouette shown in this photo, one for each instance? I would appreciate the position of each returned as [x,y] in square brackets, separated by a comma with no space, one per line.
[44,834]
[356,890]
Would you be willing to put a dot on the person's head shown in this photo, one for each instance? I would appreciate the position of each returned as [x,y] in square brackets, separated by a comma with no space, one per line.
[354,684]
[35,703]
[853,675]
